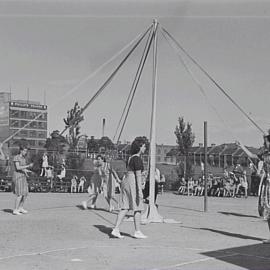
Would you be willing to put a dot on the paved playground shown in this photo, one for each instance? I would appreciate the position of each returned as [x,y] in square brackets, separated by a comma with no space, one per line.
[58,234]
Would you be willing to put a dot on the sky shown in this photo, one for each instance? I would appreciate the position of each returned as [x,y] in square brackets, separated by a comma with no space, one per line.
[49,48]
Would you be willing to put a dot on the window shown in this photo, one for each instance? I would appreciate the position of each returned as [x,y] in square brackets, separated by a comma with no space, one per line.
[41,134]
[41,143]
[23,133]
[14,123]
[14,114]
[31,115]
[43,116]
[33,134]
[23,114]
[23,123]
[41,125]
[32,142]
[33,124]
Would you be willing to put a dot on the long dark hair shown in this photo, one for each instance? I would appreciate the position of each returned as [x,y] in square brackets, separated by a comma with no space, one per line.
[136,146]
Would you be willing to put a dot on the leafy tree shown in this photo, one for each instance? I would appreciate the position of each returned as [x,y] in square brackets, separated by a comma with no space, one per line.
[105,144]
[57,147]
[74,162]
[185,139]
[92,145]
[56,142]
[74,117]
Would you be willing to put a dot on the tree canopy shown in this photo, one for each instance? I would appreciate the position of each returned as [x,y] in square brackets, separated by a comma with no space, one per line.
[185,139]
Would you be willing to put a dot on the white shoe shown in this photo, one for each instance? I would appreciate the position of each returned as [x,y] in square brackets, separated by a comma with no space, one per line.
[92,206]
[23,211]
[139,235]
[16,212]
[84,205]
[267,241]
[116,233]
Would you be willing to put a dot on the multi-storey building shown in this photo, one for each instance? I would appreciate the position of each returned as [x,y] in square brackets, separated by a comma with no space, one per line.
[21,119]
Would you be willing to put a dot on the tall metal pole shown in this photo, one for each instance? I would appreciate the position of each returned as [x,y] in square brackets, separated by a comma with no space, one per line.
[153,122]
[205,167]
[151,214]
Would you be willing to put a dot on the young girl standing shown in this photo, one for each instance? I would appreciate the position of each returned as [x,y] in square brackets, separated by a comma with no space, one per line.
[19,180]
[131,191]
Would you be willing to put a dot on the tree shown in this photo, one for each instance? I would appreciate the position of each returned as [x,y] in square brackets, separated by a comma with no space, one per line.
[57,146]
[105,144]
[185,139]
[74,117]
[92,145]
[56,142]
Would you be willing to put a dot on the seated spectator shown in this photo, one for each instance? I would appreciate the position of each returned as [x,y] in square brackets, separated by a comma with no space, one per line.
[81,184]
[233,183]
[73,187]
[183,186]
[214,186]
[198,188]
[62,172]
[195,186]
[220,187]
[190,185]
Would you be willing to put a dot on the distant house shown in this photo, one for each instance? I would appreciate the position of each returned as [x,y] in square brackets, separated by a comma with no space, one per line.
[224,155]
[164,153]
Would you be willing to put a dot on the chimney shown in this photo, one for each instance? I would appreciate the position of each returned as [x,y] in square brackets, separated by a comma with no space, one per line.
[213,144]
[103,127]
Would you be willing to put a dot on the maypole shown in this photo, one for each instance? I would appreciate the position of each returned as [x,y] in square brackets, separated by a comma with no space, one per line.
[151,214]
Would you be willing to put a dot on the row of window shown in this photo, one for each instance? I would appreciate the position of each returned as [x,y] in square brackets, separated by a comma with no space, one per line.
[32,143]
[32,134]
[27,114]
[165,151]
[22,123]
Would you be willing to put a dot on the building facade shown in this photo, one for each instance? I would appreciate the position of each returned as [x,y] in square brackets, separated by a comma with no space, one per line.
[21,119]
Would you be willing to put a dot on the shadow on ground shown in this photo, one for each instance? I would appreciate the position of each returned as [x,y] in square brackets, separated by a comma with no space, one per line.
[237,214]
[108,230]
[9,211]
[230,234]
[252,257]
[178,207]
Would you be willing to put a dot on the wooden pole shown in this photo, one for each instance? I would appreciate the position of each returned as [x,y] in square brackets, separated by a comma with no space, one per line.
[205,167]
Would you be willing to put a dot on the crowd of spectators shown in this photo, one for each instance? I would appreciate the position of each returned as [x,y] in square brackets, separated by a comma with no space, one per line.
[230,184]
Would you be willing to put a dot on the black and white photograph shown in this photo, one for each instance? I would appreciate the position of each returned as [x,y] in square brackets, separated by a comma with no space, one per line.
[134,134]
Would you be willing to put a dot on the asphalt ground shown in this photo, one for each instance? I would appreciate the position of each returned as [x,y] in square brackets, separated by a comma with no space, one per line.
[58,234]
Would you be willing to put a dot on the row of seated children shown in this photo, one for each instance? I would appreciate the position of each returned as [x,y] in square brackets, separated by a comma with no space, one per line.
[230,186]
[77,185]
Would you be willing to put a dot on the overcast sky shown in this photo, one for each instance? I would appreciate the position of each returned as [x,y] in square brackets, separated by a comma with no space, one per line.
[51,46]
